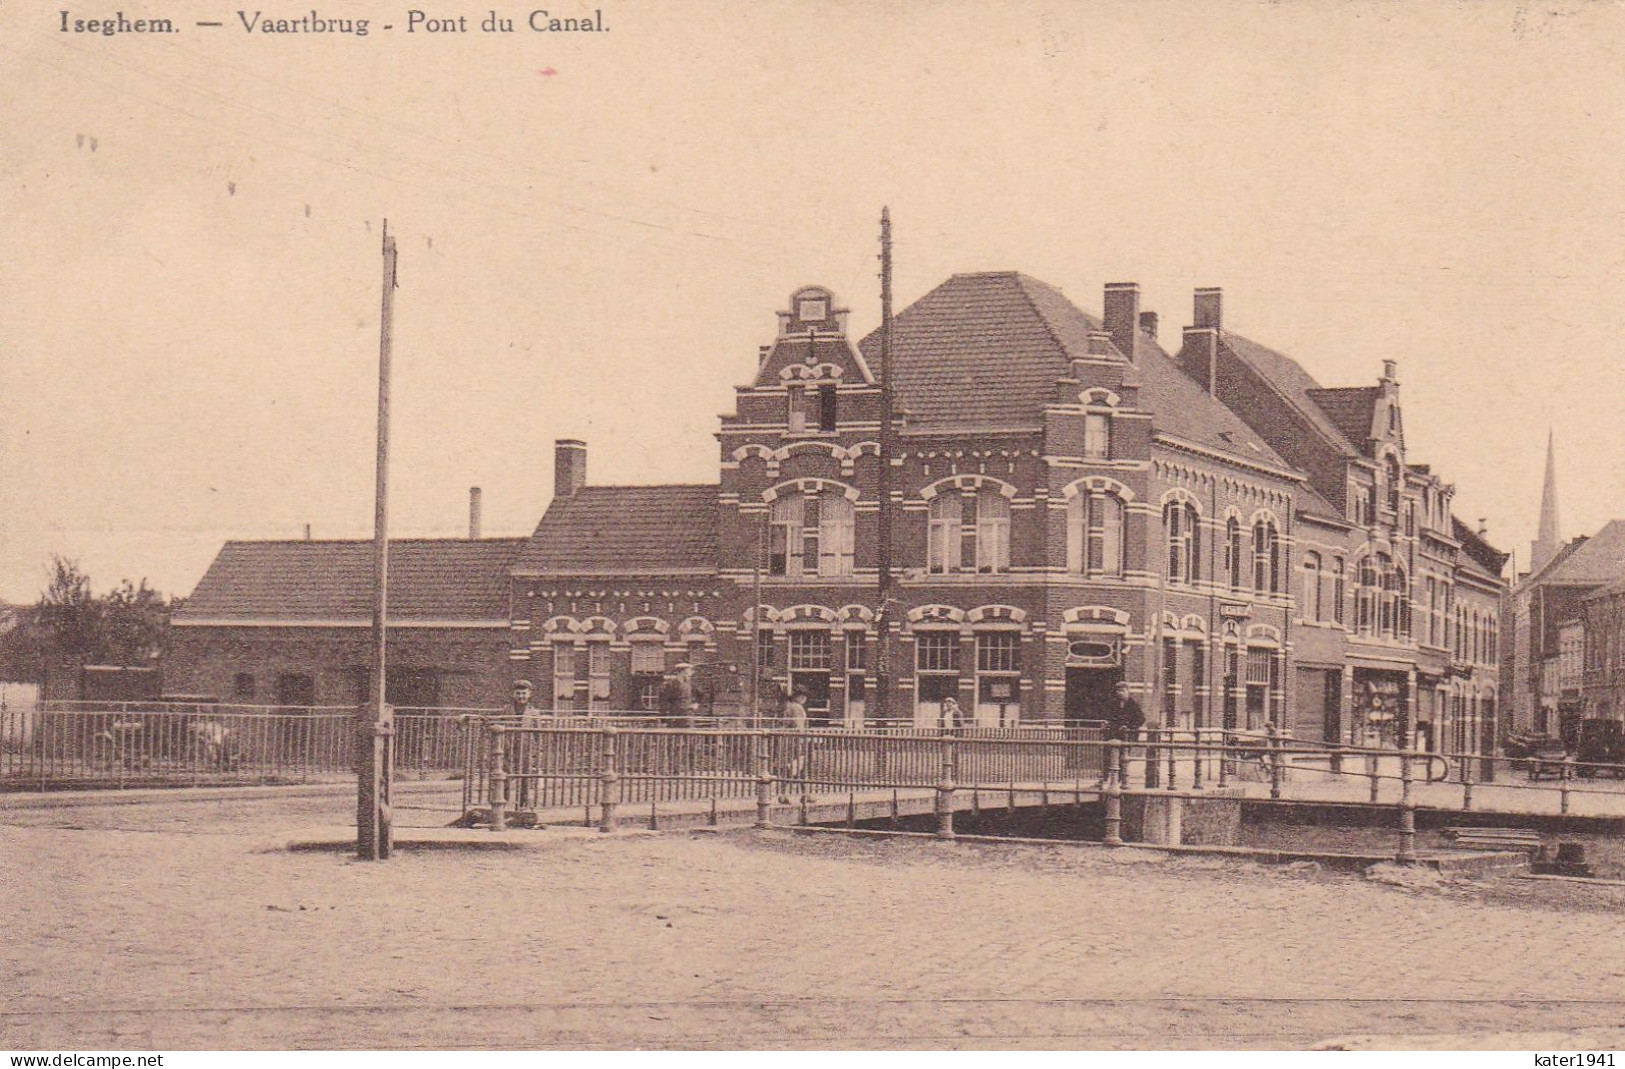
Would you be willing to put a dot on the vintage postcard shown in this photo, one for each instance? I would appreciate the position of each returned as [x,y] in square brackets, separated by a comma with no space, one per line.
[812,525]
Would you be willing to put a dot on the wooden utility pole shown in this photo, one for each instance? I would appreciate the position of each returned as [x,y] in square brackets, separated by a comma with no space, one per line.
[883,517]
[756,629]
[374,825]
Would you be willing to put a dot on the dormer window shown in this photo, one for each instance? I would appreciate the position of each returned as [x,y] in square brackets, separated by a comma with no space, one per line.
[1097,436]
[812,309]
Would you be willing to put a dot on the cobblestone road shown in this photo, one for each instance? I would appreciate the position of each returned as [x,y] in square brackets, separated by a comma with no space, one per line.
[174,926]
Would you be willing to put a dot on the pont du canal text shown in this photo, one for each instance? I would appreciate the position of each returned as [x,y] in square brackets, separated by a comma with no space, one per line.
[314,22]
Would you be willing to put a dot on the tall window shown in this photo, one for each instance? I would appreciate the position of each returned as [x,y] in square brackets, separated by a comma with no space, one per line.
[1232,552]
[1365,617]
[1266,558]
[810,534]
[1094,534]
[947,518]
[1399,589]
[1311,586]
[1396,483]
[564,674]
[1338,589]
[992,531]
[1097,436]
[827,408]
[1183,530]
[796,409]
[969,531]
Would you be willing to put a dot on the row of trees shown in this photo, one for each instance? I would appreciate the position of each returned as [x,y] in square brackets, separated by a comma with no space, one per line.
[71,625]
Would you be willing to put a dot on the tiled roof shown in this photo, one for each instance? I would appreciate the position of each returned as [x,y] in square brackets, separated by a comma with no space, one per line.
[1350,407]
[645,530]
[985,350]
[1598,559]
[1310,501]
[1489,559]
[429,579]
[1293,383]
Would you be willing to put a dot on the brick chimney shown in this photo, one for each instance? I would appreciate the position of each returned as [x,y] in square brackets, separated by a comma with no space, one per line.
[473,513]
[1209,308]
[1199,354]
[1122,315]
[1148,324]
[569,467]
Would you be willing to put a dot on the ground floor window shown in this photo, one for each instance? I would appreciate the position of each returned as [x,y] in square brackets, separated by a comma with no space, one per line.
[936,674]
[998,678]
[809,666]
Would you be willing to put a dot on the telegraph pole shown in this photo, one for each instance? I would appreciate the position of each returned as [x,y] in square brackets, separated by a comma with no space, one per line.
[374,825]
[883,533]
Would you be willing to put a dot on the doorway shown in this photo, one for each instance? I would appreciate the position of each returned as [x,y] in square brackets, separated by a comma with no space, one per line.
[1089,692]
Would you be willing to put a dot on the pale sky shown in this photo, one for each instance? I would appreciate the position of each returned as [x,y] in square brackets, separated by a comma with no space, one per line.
[190,266]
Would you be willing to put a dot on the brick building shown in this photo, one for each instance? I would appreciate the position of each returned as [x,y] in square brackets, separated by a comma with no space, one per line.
[1564,615]
[1071,504]
[289,623]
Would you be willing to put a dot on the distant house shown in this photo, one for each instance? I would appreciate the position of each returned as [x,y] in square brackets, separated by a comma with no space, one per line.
[289,623]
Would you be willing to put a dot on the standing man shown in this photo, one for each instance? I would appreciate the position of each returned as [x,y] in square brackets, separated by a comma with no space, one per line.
[525,754]
[677,697]
[1124,718]
[793,759]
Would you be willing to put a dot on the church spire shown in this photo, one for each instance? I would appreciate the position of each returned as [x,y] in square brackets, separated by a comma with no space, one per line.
[1550,540]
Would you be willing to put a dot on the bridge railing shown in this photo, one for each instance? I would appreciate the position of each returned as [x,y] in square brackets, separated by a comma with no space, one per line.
[89,745]
[601,768]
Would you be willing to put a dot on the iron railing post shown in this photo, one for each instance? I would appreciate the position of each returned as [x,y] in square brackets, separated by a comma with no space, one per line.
[764,779]
[1114,793]
[1407,812]
[498,780]
[1371,770]
[1563,787]
[945,790]
[609,780]
[1466,783]
[1224,756]
[1196,759]
[1272,747]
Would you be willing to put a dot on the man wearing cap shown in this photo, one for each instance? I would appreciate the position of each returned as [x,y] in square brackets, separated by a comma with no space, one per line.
[1124,718]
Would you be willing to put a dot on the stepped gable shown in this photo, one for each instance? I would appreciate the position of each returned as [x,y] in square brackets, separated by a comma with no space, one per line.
[307,581]
[985,350]
[642,530]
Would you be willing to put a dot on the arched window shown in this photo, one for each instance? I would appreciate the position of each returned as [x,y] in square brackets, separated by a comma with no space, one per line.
[1400,591]
[942,549]
[1266,558]
[969,531]
[1232,552]
[992,531]
[1094,534]
[811,534]
[1311,586]
[1182,527]
[1386,603]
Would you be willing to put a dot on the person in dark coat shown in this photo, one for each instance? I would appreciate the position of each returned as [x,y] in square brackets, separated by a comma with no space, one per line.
[1124,717]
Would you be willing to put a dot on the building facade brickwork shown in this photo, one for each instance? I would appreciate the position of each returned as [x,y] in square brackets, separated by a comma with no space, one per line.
[1071,505]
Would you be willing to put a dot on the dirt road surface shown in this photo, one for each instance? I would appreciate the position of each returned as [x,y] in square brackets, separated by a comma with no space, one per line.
[185,926]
